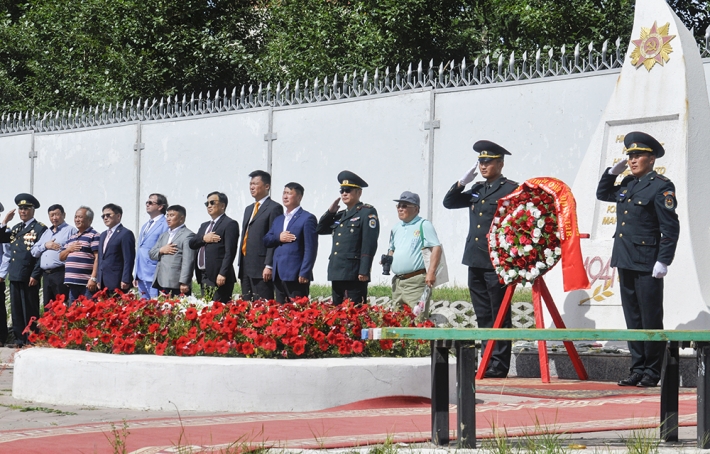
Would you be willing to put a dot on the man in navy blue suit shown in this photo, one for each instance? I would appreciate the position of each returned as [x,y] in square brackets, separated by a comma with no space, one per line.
[294,236]
[117,252]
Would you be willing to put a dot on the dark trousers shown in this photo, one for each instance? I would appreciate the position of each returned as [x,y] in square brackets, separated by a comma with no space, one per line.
[3,313]
[24,302]
[53,285]
[285,290]
[642,301]
[221,294]
[254,289]
[487,295]
[355,291]
[75,291]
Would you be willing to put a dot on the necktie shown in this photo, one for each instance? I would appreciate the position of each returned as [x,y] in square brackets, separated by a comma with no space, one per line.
[246,234]
[201,253]
[108,237]
[145,231]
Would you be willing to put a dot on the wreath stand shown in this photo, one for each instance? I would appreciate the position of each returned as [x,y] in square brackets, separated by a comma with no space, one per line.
[540,293]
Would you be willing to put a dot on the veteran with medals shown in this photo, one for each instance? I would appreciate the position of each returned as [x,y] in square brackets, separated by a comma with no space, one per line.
[355,231]
[645,241]
[24,270]
[481,200]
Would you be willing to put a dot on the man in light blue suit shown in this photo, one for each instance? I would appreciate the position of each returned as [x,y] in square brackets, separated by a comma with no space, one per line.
[155,206]
[294,236]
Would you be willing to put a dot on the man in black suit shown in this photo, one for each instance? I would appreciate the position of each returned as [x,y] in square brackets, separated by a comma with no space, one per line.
[216,244]
[255,259]
[117,252]
[481,202]
[24,270]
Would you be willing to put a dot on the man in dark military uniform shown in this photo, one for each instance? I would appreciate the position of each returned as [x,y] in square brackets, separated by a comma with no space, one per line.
[646,236]
[24,271]
[355,230]
[487,291]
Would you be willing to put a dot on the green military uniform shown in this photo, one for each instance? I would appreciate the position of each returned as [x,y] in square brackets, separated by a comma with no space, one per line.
[355,232]
[24,299]
[647,230]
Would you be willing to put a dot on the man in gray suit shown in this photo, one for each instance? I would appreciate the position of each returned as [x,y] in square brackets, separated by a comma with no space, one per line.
[176,260]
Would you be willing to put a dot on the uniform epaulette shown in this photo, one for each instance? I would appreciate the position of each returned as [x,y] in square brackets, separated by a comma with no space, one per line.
[662,177]
[364,205]
[514,183]
[41,224]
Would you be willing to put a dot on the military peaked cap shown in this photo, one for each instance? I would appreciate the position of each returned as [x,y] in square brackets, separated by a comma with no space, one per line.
[640,141]
[488,150]
[348,178]
[25,199]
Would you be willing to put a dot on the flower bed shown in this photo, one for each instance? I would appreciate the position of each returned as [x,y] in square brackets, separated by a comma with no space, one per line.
[123,324]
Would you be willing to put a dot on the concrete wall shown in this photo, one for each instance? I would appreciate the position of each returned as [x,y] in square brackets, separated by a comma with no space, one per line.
[546,124]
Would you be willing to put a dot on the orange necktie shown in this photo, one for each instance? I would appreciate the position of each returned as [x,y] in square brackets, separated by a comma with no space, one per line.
[246,234]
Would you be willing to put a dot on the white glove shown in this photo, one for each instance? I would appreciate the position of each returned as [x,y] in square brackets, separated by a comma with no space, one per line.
[618,168]
[468,176]
[659,270]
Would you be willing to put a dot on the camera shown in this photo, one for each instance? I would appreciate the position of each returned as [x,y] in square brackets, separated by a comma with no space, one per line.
[386,264]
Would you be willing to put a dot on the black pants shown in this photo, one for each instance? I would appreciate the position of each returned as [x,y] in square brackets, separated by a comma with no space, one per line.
[221,294]
[487,295]
[256,288]
[53,286]
[24,301]
[355,291]
[75,291]
[642,301]
[3,313]
[285,290]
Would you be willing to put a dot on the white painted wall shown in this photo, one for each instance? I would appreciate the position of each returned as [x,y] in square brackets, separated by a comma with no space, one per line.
[547,124]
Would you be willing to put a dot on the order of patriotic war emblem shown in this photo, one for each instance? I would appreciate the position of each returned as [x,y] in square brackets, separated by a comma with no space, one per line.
[653,47]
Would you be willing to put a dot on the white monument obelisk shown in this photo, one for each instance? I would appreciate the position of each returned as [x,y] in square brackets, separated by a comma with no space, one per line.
[661,90]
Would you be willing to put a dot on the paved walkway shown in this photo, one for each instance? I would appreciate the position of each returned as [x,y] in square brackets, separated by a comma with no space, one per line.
[592,414]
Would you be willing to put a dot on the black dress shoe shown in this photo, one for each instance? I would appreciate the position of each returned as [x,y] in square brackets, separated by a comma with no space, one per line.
[633,380]
[647,382]
[492,373]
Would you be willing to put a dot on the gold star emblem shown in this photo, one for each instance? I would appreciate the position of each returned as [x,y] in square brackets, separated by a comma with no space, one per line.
[653,47]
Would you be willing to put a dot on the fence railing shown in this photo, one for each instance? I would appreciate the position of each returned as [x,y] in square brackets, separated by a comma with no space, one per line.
[489,69]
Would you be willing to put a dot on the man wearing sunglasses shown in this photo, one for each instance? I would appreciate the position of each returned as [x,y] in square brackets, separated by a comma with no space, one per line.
[155,206]
[481,201]
[216,244]
[355,230]
[24,270]
[117,252]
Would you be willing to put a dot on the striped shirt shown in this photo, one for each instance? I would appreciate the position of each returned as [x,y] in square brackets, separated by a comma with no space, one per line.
[80,264]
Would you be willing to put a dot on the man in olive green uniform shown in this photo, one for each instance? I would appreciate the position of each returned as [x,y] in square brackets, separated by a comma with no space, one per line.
[355,230]
[645,241]
[24,270]
[481,200]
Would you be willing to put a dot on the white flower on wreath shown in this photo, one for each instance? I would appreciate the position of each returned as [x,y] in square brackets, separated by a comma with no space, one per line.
[550,261]
[540,265]
[495,261]
[535,272]
[501,210]
[529,205]
[548,252]
[541,223]
[528,248]
[537,233]
[506,203]
[528,275]
[512,274]
[536,213]
[558,251]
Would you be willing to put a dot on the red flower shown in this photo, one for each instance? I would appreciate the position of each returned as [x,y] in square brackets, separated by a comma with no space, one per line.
[191,313]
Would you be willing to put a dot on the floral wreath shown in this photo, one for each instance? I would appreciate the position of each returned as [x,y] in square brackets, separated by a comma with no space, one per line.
[524,240]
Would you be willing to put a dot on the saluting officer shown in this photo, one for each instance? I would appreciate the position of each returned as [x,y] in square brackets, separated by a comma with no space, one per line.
[486,290]
[646,236]
[24,270]
[355,230]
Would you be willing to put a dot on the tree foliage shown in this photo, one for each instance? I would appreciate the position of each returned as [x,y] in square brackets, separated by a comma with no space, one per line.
[55,54]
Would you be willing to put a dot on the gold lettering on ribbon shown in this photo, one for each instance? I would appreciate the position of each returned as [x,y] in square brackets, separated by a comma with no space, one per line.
[609,220]
[611,209]
[620,138]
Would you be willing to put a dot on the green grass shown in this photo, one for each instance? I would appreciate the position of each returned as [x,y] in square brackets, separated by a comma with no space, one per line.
[42,409]
[439,294]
